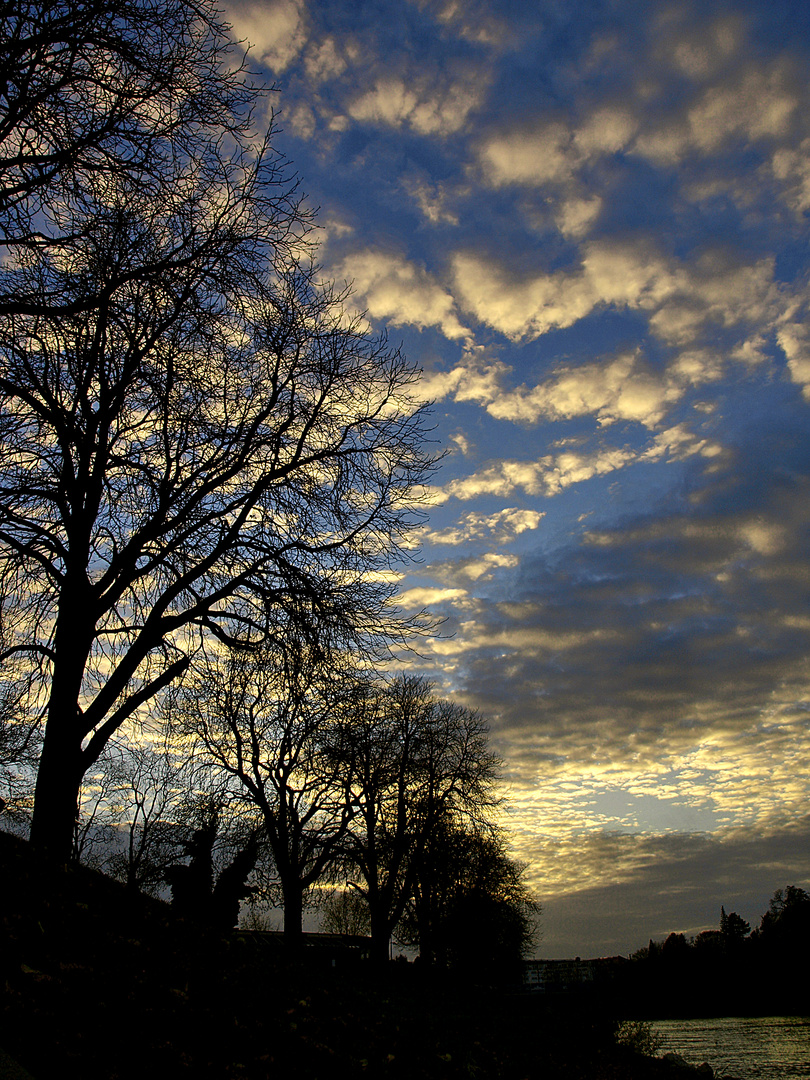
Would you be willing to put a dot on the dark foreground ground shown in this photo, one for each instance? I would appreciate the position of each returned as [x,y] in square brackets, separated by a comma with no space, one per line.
[97,983]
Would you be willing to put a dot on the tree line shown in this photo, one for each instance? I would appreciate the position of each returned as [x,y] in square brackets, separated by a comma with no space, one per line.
[208,469]
[730,970]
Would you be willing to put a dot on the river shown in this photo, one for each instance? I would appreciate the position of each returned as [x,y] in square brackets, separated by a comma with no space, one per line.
[763,1048]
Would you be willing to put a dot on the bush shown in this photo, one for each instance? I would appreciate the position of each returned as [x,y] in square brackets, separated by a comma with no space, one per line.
[638,1036]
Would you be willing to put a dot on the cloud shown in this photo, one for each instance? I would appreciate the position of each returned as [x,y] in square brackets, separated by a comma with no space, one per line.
[650,681]
[645,887]
[720,291]
[399,292]
[791,166]
[302,120]
[756,104]
[577,214]
[615,273]
[683,301]
[476,378]
[474,568]
[499,527]
[426,597]
[794,340]
[606,131]
[432,200]
[519,308]
[679,442]
[327,59]
[472,21]
[429,106]
[619,389]
[534,155]
[276,31]
[701,52]
[549,475]
[615,389]
[460,440]
[528,156]
[697,94]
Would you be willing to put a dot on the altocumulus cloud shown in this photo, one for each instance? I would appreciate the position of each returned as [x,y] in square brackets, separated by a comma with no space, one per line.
[588,225]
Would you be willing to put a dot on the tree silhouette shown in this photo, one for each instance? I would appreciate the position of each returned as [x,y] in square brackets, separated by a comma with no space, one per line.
[199,893]
[414,761]
[344,911]
[151,801]
[103,101]
[19,748]
[733,928]
[272,720]
[784,930]
[471,909]
[196,441]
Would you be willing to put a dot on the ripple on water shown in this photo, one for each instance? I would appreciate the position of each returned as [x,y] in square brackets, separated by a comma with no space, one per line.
[760,1048]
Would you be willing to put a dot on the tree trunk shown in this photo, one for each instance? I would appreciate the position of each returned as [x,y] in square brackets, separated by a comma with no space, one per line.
[424,928]
[56,799]
[60,772]
[293,912]
[380,938]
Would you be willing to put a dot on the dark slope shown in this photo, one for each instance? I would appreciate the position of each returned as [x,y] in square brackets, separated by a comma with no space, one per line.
[98,983]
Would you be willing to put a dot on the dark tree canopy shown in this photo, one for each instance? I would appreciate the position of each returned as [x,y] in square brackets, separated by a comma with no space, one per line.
[414,762]
[733,928]
[200,893]
[786,923]
[196,441]
[471,909]
[344,912]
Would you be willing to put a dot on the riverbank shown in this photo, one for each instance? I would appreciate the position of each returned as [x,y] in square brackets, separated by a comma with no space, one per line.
[99,982]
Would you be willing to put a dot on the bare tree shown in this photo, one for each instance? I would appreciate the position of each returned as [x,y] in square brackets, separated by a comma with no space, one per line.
[415,761]
[275,720]
[344,911]
[137,806]
[20,733]
[151,807]
[94,833]
[19,749]
[221,856]
[109,95]
[196,441]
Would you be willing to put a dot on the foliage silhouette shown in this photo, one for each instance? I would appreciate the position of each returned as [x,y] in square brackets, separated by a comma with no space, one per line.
[344,911]
[195,892]
[728,971]
[471,909]
[412,763]
[207,1005]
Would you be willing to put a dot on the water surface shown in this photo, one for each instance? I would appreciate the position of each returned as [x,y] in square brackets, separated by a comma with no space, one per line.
[762,1048]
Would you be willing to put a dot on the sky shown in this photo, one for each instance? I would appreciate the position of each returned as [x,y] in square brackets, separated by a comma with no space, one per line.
[588,225]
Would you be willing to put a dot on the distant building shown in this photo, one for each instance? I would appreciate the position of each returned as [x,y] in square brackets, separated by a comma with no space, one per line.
[570,976]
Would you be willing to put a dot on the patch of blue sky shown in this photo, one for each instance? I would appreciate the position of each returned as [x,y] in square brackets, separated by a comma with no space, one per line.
[624,811]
